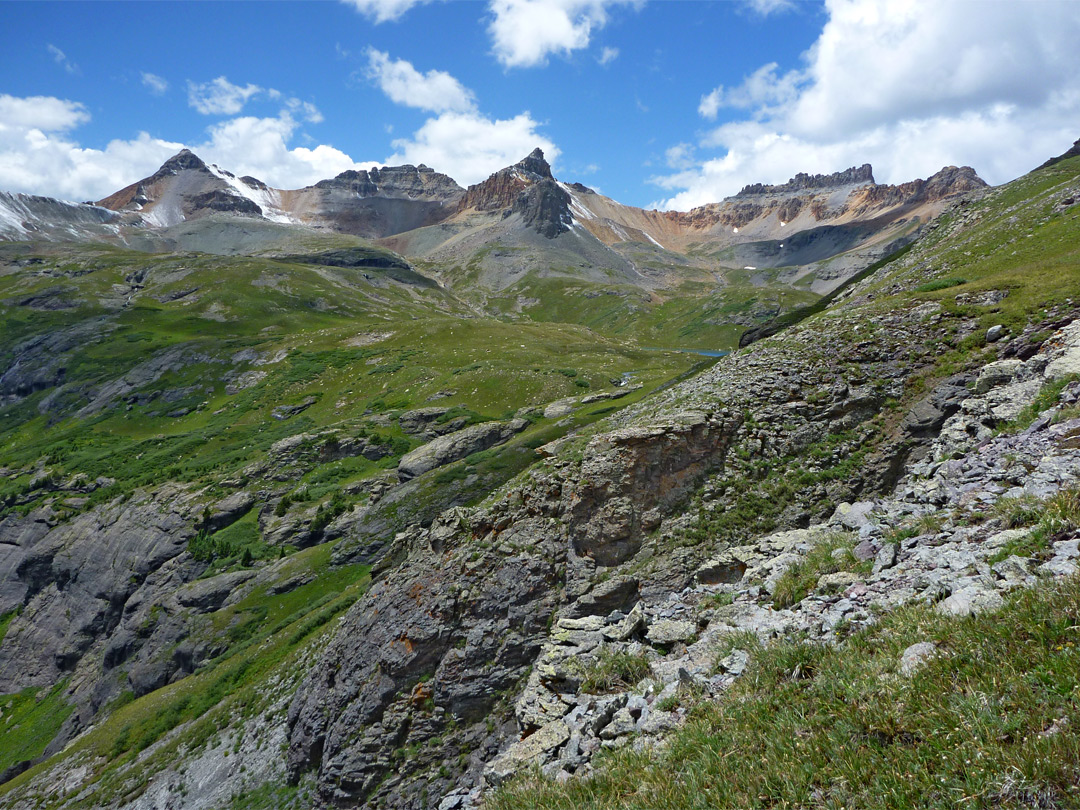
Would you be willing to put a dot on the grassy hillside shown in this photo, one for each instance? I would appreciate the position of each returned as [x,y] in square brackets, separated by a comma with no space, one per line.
[991,722]
[189,367]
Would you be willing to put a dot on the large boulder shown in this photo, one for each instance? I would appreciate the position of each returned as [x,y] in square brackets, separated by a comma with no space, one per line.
[447,449]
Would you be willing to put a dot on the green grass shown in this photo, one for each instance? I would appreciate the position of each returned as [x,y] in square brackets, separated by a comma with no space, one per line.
[940,284]
[238,544]
[613,669]
[993,721]
[829,554]
[5,620]
[1048,518]
[28,722]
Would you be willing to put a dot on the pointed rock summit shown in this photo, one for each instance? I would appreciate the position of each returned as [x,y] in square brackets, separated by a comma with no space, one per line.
[535,164]
[184,159]
[527,188]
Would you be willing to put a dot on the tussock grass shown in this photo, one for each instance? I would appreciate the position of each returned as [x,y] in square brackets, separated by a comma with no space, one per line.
[613,670]
[1049,519]
[831,554]
[993,721]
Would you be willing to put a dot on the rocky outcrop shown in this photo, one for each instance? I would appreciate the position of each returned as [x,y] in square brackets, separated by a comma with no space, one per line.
[407,182]
[454,446]
[456,628]
[803,182]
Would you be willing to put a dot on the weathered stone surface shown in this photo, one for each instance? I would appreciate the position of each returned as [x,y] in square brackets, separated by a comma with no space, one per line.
[916,656]
[205,595]
[229,510]
[618,593]
[526,751]
[454,446]
[995,374]
[728,568]
[670,632]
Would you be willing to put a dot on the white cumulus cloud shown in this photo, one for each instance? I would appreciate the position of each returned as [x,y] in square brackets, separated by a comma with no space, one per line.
[40,155]
[220,96]
[154,83]
[381,11]
[469,147]
[43,113]
[459,140]
[260,147]
[762,88]
[434,91]
[908,86]
[525,32]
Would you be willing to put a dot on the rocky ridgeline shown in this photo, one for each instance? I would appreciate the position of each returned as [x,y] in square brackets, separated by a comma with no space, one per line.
[412,182]
[815,194]
[803,182]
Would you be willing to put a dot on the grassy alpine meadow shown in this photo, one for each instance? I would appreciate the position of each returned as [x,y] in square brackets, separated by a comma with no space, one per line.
[188,367]
[993,720]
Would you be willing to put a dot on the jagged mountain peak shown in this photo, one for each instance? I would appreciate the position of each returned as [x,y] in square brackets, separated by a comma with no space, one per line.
[527,188]
[535,163]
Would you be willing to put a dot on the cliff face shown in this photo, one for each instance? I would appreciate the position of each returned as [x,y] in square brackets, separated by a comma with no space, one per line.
[815,196]
[526,188]
[803,182]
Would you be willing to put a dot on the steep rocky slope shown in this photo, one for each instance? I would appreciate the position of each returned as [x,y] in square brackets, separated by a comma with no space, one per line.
[475,649]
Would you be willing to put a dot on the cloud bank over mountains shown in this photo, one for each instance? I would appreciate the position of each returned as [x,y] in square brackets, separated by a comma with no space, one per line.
[908,86]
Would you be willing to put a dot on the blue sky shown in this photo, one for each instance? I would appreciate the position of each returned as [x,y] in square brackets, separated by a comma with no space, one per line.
[654,102]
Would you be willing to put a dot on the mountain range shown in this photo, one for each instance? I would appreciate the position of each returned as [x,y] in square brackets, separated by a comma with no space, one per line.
[819,228]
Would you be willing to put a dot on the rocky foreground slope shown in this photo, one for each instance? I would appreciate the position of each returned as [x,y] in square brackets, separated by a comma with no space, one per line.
[873,455]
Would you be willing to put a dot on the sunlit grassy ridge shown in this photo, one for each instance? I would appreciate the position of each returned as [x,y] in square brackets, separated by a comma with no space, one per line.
[814,726]
[992,721]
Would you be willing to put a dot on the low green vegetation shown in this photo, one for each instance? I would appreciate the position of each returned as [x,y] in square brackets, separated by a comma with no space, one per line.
[991,721]
[1047,519]
[28,722]
[940,284]
[613,669]
[195,375]
[830,554]
[239,544]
